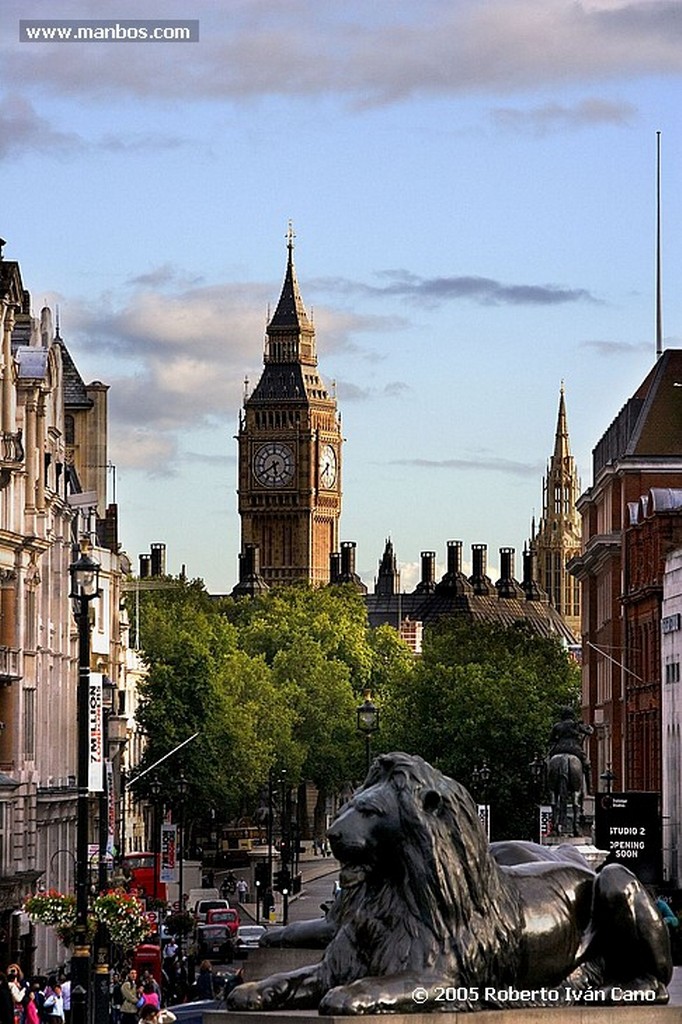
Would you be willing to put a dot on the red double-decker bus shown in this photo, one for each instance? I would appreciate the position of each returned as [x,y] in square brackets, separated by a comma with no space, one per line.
[139,868]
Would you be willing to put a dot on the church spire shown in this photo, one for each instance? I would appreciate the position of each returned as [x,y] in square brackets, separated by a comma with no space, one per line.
[290,313]
[557,538]
[562,445]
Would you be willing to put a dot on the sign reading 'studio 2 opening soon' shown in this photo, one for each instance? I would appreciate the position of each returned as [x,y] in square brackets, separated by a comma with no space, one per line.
[629,826]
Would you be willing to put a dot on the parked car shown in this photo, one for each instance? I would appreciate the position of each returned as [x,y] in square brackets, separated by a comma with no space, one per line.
[214,942]
[203,907]
[249,935]
[229,917]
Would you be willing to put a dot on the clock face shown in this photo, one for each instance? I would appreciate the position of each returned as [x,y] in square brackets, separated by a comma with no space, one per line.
[273,464]
[327,467]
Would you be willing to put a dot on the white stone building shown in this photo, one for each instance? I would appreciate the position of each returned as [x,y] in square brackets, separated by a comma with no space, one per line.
[53,474]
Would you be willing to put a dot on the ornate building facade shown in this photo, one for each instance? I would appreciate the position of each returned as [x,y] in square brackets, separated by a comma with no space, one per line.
[52,502]
[289,455]
[557,538]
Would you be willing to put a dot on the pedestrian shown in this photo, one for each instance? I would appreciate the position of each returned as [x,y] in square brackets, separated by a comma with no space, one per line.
[116,998]
[149,1014]
[66,996]
[205,981]
[6,1001]
[148,996]
[130,997]
[242,890]
[149,979]
[54,1004]
[268,902]
[31,1015]
[17,987]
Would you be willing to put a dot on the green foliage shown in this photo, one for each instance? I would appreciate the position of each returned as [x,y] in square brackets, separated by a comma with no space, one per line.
[268,682]
[484,693]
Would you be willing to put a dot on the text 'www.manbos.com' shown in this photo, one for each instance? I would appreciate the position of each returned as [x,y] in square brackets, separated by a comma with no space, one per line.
[109,31]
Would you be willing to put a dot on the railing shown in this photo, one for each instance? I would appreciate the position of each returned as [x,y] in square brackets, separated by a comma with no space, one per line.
[11,449]
[10,664]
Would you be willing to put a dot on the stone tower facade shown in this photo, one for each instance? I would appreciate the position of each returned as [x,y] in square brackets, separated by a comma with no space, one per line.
[557,538]
[290,452]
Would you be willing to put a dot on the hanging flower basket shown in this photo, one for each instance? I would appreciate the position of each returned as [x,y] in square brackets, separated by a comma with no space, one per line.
[54,908]
[121,913]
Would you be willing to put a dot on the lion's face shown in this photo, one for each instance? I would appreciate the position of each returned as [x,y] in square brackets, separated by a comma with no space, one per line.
[367,831]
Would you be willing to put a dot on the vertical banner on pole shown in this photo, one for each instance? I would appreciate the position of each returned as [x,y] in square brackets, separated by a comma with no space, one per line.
[96,734]
[111,807]
[545,812]
[484,817]
[168,871]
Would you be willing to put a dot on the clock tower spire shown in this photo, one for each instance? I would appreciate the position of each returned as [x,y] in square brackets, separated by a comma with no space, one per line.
[290,451]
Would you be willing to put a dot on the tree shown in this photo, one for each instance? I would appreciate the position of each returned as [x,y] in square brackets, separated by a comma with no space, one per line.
[484,693]
[267,682]
[198,680]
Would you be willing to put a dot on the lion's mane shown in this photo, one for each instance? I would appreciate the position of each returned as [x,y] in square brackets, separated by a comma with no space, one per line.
[448,908]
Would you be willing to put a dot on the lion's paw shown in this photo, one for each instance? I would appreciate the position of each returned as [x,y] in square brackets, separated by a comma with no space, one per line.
[247,996]
[357,998]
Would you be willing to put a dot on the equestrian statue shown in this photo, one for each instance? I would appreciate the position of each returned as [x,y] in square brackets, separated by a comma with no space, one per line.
[568,770]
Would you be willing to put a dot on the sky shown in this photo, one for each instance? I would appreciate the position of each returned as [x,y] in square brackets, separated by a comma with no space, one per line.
[472,186]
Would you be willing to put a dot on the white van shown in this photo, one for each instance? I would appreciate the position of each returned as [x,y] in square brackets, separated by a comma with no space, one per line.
[203,907]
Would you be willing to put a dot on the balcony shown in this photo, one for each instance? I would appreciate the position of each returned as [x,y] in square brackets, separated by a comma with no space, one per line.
[11,455]
[11,666]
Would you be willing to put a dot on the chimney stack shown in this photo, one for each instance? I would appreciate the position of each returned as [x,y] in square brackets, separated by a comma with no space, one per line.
[427,584]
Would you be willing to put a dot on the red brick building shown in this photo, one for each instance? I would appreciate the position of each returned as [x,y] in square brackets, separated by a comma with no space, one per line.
[654,530]
[621,578]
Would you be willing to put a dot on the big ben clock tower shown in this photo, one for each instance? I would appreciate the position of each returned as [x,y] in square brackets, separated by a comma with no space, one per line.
[290,451]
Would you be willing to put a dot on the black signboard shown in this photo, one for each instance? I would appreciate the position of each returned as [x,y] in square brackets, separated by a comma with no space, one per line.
[629,826]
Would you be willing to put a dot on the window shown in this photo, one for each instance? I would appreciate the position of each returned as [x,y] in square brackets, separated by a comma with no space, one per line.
[672,672]
[29,724]
[30,631]
[69,430]
[604,599]
[604,691]
[5,838]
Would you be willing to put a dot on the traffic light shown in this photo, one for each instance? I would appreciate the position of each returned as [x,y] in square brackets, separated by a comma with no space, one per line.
[260,874]
[283,881]
[283,847]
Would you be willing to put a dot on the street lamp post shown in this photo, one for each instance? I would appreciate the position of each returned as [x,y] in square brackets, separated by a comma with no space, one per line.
[271,830]
[182,786]
[537,769]
[155,788]
[102,958]
[84,574]
[608,777]
[367,717]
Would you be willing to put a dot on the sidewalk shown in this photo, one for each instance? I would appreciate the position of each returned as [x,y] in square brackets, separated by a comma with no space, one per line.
[311,867]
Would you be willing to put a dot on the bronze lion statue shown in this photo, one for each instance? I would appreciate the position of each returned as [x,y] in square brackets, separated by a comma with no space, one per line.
[429,920]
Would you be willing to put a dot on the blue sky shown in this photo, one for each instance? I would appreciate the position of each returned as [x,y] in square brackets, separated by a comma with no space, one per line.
[472,187]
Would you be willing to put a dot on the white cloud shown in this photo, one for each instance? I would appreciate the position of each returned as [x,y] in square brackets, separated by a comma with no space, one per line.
[377,55]
[22,130]
[559,117]
[178,360]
